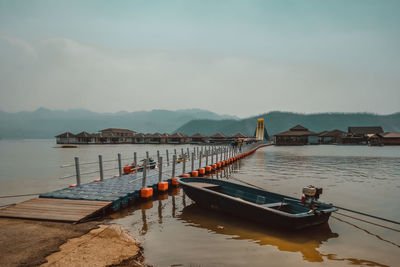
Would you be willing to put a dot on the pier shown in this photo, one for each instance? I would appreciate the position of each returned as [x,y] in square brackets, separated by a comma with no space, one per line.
[79,202]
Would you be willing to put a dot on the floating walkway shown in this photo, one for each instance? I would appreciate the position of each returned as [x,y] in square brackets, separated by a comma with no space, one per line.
[75,204]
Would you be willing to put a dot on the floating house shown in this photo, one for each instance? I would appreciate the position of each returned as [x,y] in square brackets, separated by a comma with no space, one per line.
[387,139]
[218,138]
[117,136]
[331,137]
[66,138]
[298,135]
[198,138]
[178,138]
[238,136]
[361,135]
[86,138]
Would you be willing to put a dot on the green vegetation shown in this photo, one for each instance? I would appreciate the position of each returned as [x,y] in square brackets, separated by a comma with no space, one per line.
[276,122]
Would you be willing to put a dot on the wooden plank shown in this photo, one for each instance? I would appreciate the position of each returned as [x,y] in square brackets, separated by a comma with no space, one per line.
[54,209]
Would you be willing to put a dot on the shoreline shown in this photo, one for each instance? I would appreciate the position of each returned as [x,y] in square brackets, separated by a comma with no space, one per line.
[44,243]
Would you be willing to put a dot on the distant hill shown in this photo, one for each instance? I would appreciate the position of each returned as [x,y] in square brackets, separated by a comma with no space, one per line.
[46,123]
[277,122]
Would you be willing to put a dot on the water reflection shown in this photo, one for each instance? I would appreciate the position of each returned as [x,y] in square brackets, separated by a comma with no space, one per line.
[306,242]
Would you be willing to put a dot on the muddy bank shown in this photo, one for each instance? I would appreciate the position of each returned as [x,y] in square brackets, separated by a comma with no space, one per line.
[28,243]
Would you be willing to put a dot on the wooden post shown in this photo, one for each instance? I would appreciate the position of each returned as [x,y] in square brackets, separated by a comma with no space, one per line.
[201,154]
[160,169]
[193,155]
[158,154]
[167,157]
[119,164]
[144,173]
[206,157]
[183,155]
[78,171]
[183,166]
[173,165]
[175,151]
[188,153]
[147,155]
[101,167]
[135,161]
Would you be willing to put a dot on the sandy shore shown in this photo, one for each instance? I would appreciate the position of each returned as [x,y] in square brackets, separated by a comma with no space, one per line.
[35,243]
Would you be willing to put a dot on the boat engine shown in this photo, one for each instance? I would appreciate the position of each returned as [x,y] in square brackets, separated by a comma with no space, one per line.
[310,195]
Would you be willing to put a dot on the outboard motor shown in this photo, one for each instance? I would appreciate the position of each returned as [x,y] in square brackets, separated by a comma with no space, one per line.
[310,195]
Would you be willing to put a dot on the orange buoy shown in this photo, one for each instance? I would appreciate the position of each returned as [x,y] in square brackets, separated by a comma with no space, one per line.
[186,175]
[96,180]
[202,171]
[174,181]
[162,186]
[72,185]
[127,169]
[214,166]
[195,173]
[208,168]
[116,176]
[146,192]
[219,164]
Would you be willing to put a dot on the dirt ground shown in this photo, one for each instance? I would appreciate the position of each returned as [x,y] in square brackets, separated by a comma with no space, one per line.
[32,243]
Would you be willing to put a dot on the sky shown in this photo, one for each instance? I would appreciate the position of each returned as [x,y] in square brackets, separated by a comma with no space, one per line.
[232,57]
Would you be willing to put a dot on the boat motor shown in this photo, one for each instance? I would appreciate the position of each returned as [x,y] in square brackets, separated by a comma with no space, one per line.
[310,195]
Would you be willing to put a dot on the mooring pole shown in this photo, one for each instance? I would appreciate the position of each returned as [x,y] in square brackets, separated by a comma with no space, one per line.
[144,173]
[167,157]
[160,169]
[184,165]
[173,165]
[147,155]
[193,155]
[206,157]
[119,164]
[78,172]
[201,154]
[135,162]
[101,167]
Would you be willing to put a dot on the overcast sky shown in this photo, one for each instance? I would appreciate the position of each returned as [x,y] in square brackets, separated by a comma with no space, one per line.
[231,57]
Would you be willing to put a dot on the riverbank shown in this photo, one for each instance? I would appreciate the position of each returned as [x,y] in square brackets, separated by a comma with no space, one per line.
[38,243]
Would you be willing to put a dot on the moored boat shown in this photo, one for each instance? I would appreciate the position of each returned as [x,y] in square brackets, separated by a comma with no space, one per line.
[259,205]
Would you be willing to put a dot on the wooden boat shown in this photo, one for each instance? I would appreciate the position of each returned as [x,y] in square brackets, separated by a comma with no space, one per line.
[258,205]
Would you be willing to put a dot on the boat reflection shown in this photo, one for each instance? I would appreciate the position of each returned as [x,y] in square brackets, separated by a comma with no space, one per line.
[306,241]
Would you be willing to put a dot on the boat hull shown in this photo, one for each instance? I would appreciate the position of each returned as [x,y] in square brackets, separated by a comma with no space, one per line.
[237,207]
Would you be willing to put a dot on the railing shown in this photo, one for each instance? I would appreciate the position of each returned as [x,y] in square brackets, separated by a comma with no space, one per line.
[210,154]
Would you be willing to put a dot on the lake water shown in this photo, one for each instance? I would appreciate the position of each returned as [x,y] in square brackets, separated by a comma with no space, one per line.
[174,231]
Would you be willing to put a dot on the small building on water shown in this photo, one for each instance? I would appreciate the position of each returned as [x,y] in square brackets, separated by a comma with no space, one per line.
[331,137]
[198,138]
[297,135]
[386,139]
[361,135]
[66,138]
[218,138]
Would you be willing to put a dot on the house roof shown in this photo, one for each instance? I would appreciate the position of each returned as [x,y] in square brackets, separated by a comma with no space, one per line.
[365,130]
[332,133]
[298,127]
[177,135]
[139,135]
[296,133]
[66,135]
[198,135]
[218,135]
[238,135]
[116,130]
[85,134]
[391,135]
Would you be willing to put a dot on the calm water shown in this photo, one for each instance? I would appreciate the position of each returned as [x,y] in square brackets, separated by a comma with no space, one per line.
[174,231]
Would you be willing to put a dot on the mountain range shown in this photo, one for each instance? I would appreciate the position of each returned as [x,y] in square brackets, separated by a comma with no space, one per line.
[46,123]
[276,122]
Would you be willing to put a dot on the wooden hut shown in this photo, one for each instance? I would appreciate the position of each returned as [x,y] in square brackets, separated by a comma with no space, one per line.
[178,138]
[117,136]
[66,138]
[198,138]
[298,135]
[238,136]
[361,135]
[218,138]
[86,138]
[331,137]
[387,139]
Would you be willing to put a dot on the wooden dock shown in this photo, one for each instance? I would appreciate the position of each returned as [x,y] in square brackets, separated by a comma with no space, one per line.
[52,209]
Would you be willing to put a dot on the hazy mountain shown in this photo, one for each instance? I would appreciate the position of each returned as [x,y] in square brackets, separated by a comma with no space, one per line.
[282,121]
[45,123]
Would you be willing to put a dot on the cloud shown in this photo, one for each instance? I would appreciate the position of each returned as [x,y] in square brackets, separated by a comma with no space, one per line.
[61,73]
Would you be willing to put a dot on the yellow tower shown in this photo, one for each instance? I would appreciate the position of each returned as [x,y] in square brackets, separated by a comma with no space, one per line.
[260,129]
